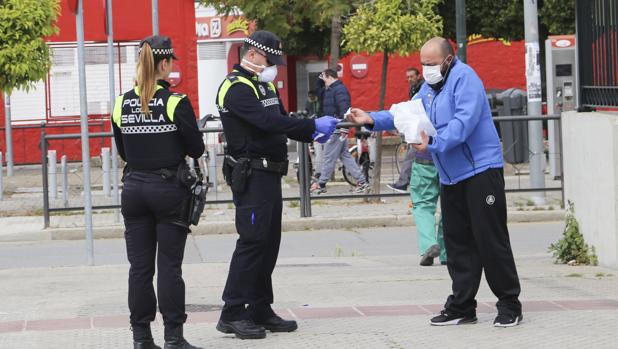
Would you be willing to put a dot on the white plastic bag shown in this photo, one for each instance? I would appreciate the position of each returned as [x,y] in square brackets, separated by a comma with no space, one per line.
[410,119]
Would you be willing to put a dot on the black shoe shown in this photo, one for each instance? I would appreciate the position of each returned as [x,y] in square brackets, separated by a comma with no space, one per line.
[174,339]
[243,329]
[142,337]
[508,320]
[145,344]
[432,252]
[446,319]
[398,188]
[277,324]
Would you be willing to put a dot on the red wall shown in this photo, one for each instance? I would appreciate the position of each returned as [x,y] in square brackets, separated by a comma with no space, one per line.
[500,66]
[132,22]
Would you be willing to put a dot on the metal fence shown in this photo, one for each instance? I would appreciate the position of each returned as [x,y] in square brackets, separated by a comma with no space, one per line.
[597,39]
[304,197]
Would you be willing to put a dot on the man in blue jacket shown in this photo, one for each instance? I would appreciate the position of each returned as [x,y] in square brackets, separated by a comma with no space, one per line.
[336,102]
[468,155]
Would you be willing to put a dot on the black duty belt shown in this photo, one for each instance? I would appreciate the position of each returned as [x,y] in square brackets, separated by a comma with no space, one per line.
[163,172]
[270,166]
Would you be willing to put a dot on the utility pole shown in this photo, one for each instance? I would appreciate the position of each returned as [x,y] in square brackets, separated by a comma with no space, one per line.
[8,133]
[155,17]
[83,109]
[462,42]
[112,99]
[533,82]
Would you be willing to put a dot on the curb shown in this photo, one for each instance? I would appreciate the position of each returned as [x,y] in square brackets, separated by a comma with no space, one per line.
[295,224]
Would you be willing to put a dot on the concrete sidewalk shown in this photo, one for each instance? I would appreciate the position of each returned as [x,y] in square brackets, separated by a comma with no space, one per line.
[378,298]
[327,214]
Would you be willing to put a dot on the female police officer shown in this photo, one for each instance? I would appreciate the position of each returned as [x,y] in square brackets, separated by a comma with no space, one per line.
[154,130]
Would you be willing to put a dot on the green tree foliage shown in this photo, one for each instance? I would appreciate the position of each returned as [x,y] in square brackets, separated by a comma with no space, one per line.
[505,18]
[24,55]
[390,26]
[572,246]
[558,16]
[303,25]
[393,26]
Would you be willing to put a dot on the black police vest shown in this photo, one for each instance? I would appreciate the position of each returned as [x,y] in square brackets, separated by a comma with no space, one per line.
[151,141]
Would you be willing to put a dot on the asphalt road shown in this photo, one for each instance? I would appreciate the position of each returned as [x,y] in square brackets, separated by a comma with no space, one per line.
[529,240]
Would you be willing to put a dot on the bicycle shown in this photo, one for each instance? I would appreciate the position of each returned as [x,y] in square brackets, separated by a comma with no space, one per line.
[363,160]
[400,153]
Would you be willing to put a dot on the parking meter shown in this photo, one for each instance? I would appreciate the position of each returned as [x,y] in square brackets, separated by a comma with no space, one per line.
[561,77]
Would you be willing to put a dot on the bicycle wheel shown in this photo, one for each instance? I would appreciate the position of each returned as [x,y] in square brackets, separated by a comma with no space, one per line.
[347,176]
[366,168]
[400,155]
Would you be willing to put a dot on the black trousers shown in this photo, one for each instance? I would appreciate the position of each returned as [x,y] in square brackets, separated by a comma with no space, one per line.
[249,290]
[477,239]
[151,209]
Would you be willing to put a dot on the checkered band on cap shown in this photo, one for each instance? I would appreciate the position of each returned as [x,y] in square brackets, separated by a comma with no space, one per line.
[161,51]
[264,48]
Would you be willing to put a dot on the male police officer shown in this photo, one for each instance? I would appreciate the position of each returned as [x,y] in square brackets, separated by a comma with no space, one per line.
[256,126]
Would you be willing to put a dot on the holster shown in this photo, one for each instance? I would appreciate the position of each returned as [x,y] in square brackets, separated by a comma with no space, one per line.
[185,176]
[236,173]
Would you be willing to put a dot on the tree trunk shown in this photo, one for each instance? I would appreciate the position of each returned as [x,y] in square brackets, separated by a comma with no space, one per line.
[377,167]
[335,41]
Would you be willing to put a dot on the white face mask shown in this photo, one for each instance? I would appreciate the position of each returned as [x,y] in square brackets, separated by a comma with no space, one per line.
[432,74]
[268,74]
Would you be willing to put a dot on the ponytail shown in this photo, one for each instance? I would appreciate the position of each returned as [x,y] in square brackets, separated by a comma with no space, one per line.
[145,77]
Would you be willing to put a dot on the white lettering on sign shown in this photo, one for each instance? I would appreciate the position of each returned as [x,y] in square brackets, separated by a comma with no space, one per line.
[174,75]
[359,66]
[215,27]
[202,29]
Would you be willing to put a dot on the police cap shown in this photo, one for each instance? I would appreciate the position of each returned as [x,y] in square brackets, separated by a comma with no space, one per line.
[269,43]
[161,46]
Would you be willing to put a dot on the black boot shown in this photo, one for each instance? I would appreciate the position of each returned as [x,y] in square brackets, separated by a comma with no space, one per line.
[174,339]
[142,338]
[243,329]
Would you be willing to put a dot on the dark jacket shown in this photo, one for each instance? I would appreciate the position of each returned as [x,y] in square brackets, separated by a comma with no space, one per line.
[254,121]
[416,87]
[160,139]
[335,99]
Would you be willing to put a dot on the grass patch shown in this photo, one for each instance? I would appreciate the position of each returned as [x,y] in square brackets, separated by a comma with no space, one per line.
[293,204]
[574,275]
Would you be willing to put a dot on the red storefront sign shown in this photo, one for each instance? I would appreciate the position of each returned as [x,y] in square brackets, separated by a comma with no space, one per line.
[217,28]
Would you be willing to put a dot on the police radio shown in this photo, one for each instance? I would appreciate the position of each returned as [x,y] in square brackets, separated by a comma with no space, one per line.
[198,196]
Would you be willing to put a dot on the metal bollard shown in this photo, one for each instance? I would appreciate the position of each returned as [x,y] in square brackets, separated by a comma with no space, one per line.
[1,176]
[51,161]
[106,162]
[211,157]
[65,180]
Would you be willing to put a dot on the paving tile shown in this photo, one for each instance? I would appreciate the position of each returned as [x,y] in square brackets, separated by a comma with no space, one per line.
[203,317]
[318,313]
[593,304]
[118,321]
[12,326]
[392,310]
[58,324]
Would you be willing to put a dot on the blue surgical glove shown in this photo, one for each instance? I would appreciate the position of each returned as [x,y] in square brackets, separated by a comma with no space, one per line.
[324,128]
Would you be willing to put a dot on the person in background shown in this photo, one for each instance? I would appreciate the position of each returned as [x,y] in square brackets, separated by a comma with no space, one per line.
[415,80]
[336,102]
[312,106]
